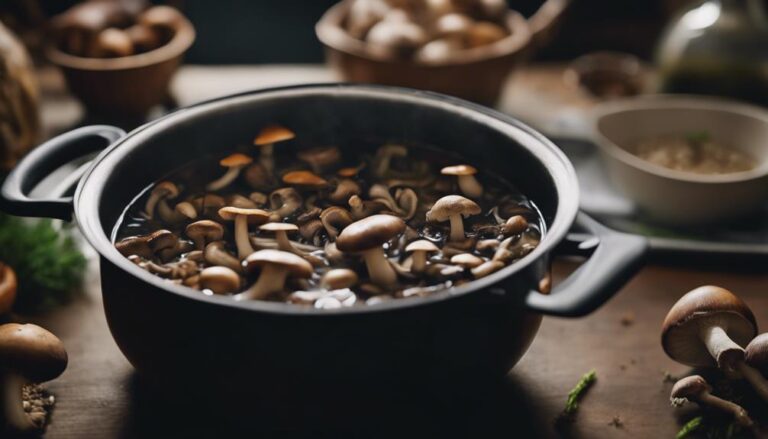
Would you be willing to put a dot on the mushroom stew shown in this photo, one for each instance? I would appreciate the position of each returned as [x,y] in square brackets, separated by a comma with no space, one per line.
[327,226]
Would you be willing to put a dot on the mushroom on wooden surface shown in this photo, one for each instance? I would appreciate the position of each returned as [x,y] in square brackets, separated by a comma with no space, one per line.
[694,388]
[28,354]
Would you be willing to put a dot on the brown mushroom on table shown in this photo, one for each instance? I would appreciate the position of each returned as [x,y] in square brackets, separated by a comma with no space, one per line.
[419,250]
[220,280]
[321,159]
[696,389]
[242,218]
[708,327]
[234,164]
[366,237]
[8,286]
[275,266]
[467,182]
[266,140]
[216,254]
[338,278]
[204,231]
[453,208]
[756,354]
[28,354]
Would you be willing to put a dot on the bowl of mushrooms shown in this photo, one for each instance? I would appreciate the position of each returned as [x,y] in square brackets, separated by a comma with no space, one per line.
[464,48]
[119,57]
[328,240]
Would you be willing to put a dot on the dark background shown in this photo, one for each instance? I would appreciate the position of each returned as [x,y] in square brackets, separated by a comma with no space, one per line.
[282,31]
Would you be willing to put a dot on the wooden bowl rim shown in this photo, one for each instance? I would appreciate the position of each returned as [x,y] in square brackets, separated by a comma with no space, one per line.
[331,33]
[181,41]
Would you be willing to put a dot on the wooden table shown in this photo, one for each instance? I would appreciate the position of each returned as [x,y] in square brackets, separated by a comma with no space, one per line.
[98,396]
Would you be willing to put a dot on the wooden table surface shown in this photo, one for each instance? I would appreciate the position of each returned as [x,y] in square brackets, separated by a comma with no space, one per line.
[99,396]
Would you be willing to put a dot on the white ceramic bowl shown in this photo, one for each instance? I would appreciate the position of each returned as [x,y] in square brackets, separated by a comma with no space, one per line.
[677,197]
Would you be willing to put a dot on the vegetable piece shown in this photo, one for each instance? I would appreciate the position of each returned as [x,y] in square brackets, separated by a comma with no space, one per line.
[689,427]
[694,388]
[586,381]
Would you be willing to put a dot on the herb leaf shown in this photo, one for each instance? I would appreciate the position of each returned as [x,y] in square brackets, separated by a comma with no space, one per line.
[586,381]
[689,427]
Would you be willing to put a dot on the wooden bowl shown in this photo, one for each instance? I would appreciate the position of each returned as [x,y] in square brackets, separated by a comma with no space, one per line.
[125,86]
[476,74]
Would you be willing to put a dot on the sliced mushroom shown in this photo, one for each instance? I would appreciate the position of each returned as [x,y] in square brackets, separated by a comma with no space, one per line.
[419,250]
[695,388]
[30,354]
[267,138]
[453,208]
[335,219]
[242,218]
[234,164]
[217,254]
[345,189]
[321,159]
[367,237]
[284,202]
[162,191]
[466,178]
[204,231]
[275,266]
[220,280]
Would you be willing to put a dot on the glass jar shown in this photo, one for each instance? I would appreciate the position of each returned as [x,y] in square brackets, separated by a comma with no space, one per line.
[717,47]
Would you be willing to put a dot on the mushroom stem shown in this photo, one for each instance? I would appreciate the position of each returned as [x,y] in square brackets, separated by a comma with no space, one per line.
[283,243]
[724,350]
[470,186]
[379,269]
[242,240]
[271,280]
[11,407]
[418,261]
[266,158]
[738,412]
[755,378]
[457,228]
[225,180]
[168,214]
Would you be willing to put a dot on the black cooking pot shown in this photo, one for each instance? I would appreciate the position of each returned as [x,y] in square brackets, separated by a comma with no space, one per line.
[275,352]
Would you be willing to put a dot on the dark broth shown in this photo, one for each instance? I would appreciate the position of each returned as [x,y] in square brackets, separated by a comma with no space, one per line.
[500,200]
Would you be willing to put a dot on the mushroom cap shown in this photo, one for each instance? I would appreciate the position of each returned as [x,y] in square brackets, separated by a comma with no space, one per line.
[161,239]
[681,328]
[453,24]
[134,245]
[757,353]
[167,189]
[220,280]
[304,178]
[690,387]
[450,205]
[320,155]
[297,266]
[348,172]
[276,227]
[235,160]
[210,228]
[467,260]
[339,278]
[32,352]
[273,134]
[255,216]
[421,245]
[369,232]
[459,170]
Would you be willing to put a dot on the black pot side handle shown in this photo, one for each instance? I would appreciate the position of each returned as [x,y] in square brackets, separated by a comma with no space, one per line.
[46,158]
[615,260]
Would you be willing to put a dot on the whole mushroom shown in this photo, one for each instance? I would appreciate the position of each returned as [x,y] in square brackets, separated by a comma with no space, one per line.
[321,159]
[162,191]
[466,179]
[216,254]
[419,250]
[367,236]
[708,327]
[220,280]
[696,389]
[204,231]
[266,140]
[453,208]
[28,354]
[275,266]
[242,218]
[234,164]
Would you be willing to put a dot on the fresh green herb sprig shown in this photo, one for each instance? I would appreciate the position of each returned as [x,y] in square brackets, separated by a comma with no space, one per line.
[689,427]
[586,381]
[712,429]
[47,262]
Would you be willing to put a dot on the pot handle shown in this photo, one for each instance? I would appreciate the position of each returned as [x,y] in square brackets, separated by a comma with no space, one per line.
[46,158]
[616,258]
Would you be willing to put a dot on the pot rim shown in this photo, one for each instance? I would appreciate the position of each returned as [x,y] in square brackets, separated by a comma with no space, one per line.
[89,190]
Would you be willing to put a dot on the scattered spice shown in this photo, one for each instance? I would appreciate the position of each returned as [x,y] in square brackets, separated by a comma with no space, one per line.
[616,422]
[627,319]
[38,403]
[668,377]
[586,381]
[47,262]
